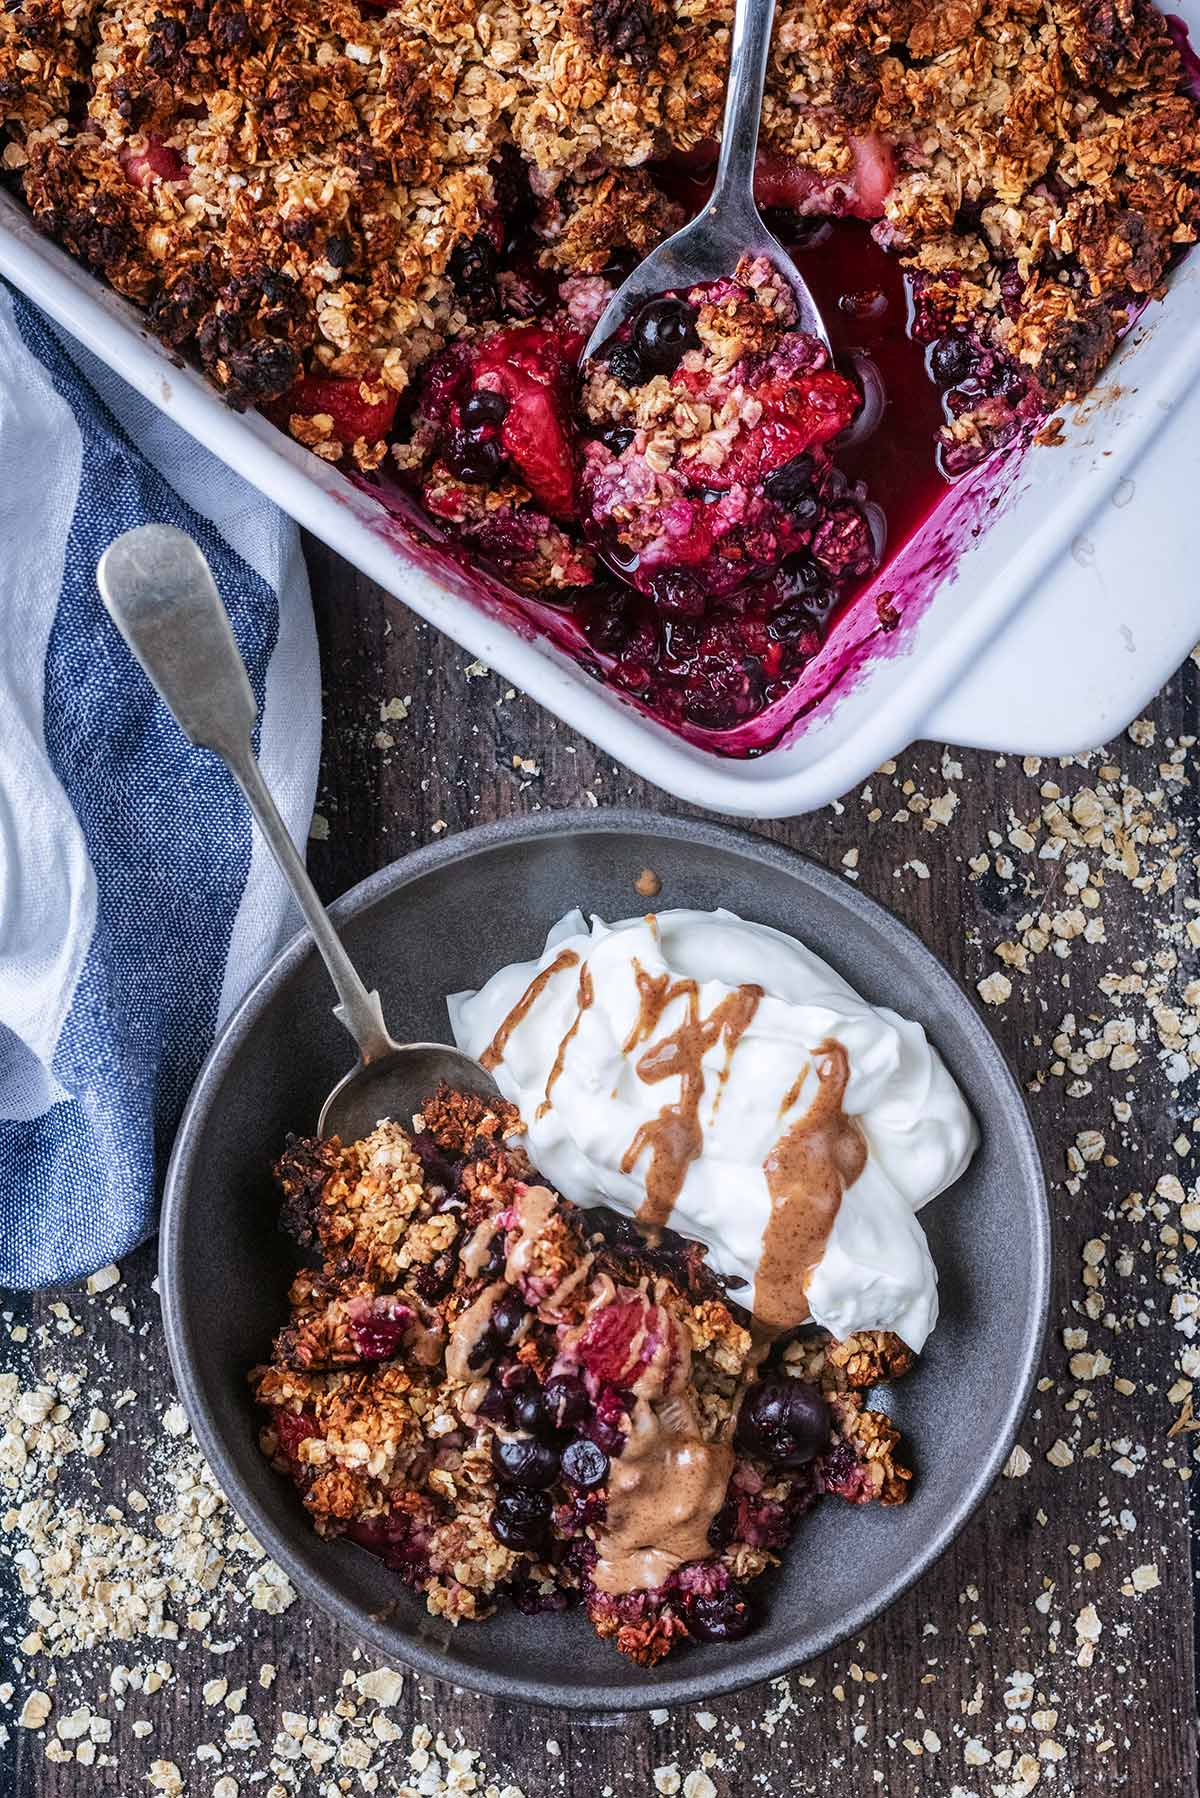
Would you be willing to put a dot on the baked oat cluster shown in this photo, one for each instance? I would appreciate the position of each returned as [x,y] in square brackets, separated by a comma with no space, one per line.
[391,224]
[482,1385]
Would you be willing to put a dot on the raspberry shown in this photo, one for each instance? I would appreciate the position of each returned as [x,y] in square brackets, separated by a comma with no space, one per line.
[292,1428]
[341,398]
[378,1325]
[623,1343]
[157,162]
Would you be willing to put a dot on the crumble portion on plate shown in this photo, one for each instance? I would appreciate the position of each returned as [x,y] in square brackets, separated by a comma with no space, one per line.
[502,1396]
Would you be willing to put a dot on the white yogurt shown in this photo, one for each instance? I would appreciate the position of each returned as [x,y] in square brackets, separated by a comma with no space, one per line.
[876,1271]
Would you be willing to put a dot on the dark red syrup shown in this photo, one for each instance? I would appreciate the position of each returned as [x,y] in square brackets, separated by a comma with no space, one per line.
[862,293]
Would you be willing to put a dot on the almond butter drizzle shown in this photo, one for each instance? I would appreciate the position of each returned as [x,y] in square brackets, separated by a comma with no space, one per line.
[807,1174]
[664,1490]
[474,1256]
[468,1330]
[494,1053]
[534,1208]
[675,1137]
[586,995]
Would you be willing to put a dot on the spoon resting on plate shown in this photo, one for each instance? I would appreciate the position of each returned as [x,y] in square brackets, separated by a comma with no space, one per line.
[160,593]
[730,226]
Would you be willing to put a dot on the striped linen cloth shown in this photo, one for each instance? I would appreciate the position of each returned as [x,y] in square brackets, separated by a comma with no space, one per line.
[136,903]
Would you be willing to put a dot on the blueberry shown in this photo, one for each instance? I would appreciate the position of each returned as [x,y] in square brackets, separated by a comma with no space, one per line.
[495,1404]
[524,1462]
[617,438]
[790,482]
[805,599]
[950,360]
[609,622]
[664,330]
[475,460]
[529,1411]
[677,595]
[473,268]
[483,407]
[725,1617]
[723,1528]
[584,1464]
[783,1421]
[519,1520]
[508,1314]
[566,1400]
[493,1267]
[624,365]
[802,575]
[337,250]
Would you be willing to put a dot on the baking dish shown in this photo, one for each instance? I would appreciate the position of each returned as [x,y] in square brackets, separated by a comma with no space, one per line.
[1040,612]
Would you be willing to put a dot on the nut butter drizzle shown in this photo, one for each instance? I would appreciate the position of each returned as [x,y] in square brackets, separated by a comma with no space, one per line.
[586,995]
[664,1490]
[668,1483]
[675,1136]
[493,1055]
[807,1173]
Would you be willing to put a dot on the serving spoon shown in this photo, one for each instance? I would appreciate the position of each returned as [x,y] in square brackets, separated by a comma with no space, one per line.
[730,226]
[160,593]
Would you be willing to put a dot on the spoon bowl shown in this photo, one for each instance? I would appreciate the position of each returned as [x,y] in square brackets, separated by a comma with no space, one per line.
[159,592]
[396,1085]
[707,249]
[730,227]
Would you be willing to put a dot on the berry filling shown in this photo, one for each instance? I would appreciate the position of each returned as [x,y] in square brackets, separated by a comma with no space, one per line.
[702,501]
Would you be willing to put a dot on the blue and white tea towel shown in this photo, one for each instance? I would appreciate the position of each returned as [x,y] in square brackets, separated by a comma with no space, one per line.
[137,904]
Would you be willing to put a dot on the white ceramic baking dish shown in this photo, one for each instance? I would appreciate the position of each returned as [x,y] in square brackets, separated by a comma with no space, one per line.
[1049,610]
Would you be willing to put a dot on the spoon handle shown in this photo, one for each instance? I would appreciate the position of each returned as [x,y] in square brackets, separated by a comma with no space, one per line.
[749,54]
[160,593]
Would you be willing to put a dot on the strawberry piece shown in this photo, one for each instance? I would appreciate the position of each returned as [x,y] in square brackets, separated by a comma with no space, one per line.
[157,162]
[534,369]
[629,1343]
[340,397]
[798,415]
[780,181]
[874,174]
[292,1428]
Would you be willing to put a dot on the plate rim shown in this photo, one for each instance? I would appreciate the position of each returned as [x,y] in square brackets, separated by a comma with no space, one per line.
[426,1658]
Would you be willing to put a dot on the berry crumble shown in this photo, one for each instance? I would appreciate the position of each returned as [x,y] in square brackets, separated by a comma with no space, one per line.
[390,225]
[505,1398]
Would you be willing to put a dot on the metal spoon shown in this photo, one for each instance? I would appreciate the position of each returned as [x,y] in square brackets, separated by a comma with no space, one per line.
[730,226]
[161,596]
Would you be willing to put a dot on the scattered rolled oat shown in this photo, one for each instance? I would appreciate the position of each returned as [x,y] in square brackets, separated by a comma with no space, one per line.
[35,1710]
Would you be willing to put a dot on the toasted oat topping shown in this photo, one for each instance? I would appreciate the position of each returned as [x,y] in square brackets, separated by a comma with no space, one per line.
[296,188]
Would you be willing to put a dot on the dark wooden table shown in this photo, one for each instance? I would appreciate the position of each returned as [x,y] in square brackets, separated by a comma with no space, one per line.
[986,1649]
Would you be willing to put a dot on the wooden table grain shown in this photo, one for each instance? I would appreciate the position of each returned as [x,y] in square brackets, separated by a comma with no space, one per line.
[983,1657]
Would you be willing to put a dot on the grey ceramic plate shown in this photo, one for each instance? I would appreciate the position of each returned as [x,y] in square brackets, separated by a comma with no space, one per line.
[443,919]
